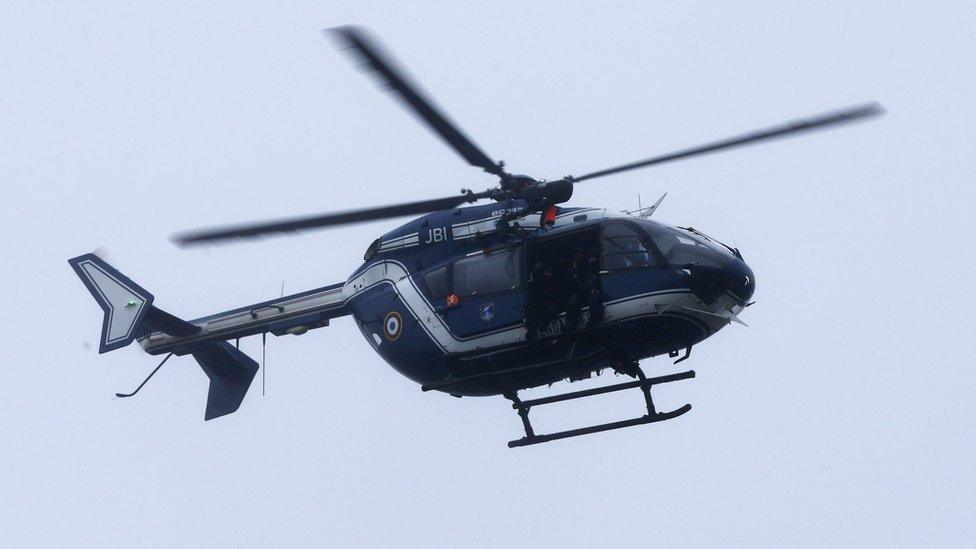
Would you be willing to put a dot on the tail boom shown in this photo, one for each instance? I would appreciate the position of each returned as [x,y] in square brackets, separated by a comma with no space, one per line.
[291,314]
[129,314]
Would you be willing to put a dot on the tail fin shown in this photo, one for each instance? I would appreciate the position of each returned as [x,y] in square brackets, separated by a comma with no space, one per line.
[230,372]
[128,306]
[124,302]
[130,313]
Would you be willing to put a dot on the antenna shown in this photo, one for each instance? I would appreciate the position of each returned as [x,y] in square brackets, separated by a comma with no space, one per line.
[648,211]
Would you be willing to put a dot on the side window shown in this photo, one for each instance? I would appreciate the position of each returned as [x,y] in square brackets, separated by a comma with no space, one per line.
[622,248]
[480,274]
[436,281]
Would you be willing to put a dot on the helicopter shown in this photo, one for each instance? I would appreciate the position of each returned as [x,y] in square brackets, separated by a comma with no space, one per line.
[479,300]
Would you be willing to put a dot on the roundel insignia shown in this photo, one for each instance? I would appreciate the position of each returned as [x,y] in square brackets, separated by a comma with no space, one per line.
[392,325]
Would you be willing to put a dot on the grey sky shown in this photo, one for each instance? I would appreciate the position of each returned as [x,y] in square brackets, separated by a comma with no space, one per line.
[843,416]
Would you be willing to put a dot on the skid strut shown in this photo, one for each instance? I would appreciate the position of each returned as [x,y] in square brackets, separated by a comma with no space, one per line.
[643,382]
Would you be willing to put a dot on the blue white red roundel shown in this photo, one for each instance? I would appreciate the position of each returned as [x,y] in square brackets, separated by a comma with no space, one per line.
[392,325]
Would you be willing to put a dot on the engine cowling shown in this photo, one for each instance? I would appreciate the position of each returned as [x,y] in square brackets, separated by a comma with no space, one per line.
[547,193]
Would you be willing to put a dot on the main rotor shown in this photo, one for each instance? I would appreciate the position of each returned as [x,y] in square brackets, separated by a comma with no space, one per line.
[538,195]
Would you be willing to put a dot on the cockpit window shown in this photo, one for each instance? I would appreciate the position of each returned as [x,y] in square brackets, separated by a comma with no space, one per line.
[705,240]
[623,248]
[480,274]
[679,246]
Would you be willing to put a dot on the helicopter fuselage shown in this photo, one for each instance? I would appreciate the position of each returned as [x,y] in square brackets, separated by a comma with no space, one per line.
[455,303]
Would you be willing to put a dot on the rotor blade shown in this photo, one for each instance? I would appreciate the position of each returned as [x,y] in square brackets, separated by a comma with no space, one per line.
[366,51]
[324,220]
[789,128]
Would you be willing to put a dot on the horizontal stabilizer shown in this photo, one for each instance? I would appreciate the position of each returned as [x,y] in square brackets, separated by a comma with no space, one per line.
[124,302]
[230,372]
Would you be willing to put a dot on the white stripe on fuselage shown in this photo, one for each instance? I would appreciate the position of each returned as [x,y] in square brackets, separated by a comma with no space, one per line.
[664,302]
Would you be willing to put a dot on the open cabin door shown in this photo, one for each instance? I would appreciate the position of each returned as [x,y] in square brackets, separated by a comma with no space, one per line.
[481,292]
[563,290]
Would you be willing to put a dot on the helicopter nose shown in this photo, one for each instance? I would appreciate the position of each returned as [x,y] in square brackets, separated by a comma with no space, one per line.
[729,275]
[741,280]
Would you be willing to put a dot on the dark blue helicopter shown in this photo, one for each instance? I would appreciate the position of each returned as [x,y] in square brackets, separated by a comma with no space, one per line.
[480,300]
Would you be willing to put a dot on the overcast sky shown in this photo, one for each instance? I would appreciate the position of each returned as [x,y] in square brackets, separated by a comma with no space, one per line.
[843,416]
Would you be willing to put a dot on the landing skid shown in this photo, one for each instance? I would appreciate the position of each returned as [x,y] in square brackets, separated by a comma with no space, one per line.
[644,383]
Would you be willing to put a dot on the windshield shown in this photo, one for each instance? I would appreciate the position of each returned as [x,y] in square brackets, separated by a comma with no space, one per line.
[681,246]
[704,239]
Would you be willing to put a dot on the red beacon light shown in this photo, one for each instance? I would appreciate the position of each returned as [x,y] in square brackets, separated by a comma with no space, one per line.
[549,216]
